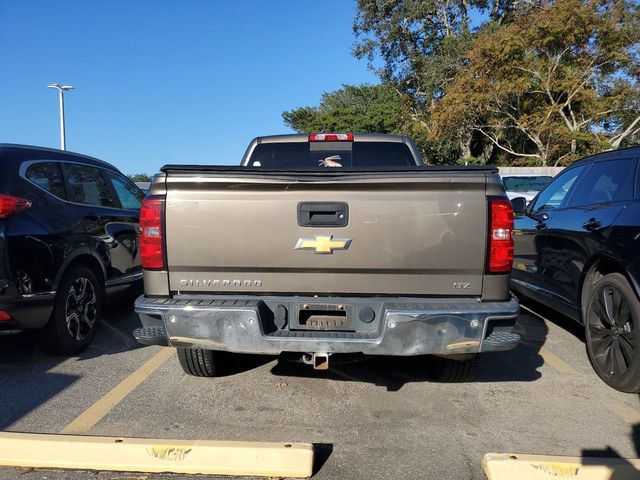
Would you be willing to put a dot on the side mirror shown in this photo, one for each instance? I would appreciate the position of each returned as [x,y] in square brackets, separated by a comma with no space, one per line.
[519,205]
[539,216]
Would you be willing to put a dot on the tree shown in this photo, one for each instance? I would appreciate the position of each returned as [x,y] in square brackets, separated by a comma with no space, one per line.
[559,81]
[417,41]
[421,45]
[368,109]
[139,177]
[353,108]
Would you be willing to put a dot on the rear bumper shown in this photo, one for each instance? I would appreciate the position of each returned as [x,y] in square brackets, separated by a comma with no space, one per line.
[403,327]
[27,312]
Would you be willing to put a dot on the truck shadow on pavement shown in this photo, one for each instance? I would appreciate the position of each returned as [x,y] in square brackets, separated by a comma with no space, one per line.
[115,331]
[518,365]
[557,318]
[26,372]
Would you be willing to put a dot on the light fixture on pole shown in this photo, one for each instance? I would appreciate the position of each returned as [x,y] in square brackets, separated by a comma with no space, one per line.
[61,89]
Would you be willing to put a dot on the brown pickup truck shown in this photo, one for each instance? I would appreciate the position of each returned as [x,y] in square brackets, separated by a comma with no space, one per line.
[323,245]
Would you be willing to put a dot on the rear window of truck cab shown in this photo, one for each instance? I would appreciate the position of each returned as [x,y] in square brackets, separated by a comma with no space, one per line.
[331,155]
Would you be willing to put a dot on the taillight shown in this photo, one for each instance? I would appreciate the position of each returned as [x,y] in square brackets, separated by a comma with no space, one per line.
[4,316]
[10,205]
[151,243]
[500,239]
[331,137]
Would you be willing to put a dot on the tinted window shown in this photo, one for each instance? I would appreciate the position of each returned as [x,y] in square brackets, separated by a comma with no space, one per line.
[608,181]
[47,175]
[331,155]
[555,193]
[129,195]
[86,185]
[382,154]
[638,181]
[280,155]
[526,184]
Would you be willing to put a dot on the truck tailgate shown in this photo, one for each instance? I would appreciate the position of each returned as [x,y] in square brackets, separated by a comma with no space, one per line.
[407,233]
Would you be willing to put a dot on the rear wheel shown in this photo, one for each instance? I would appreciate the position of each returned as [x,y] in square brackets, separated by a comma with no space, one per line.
[76,312]
[612,323]
[448,370]
[199,362]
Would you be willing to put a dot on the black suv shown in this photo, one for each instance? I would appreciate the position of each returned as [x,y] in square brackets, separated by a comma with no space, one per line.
[577,249]
[68,239]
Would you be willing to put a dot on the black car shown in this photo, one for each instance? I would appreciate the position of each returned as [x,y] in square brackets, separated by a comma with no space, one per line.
[577,249]
[68,240]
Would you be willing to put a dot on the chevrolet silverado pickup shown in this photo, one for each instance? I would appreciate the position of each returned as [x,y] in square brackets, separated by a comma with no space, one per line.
[327,244]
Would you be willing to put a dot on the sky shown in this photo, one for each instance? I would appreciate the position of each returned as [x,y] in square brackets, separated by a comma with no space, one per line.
[168,81]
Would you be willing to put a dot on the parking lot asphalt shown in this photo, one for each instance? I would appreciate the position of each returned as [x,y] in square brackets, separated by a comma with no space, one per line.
[383,418]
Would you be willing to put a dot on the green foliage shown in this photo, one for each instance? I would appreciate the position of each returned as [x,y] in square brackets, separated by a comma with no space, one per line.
[353,108]
[139,177]
[419,42]
[559,82]
[470,161]
[419,46]
[537,83]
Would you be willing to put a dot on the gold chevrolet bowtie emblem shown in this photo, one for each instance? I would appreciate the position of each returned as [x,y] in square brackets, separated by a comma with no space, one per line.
[323,243]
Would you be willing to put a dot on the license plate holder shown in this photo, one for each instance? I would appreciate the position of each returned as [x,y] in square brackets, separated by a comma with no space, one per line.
[323,317]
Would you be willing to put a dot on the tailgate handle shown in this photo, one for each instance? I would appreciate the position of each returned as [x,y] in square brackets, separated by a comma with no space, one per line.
[323,214]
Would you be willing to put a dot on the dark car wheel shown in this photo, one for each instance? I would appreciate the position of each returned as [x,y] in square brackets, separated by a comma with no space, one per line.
[199,362]
[612,322]
[76,312]
[447,370]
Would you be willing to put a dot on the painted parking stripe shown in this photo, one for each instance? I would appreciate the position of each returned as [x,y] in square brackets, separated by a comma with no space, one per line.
[264,459]
[557,363]
[92,415]
[622,410]
[618,408]
[550,358]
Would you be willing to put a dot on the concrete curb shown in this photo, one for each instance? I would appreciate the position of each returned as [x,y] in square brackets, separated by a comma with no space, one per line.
[264,459]
[509,466]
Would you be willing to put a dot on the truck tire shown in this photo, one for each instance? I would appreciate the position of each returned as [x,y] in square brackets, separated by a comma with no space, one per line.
[198,362]
[447,370]
[77,308]
[612,332]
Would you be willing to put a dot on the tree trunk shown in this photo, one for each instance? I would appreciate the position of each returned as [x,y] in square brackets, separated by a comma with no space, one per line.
[544,156]
[487,151]
[465,144]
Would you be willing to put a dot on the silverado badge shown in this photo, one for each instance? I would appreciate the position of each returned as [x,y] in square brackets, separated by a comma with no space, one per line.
[323,243]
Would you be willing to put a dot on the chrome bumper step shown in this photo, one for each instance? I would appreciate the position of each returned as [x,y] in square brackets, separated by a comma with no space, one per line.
[501,341]
[151,336]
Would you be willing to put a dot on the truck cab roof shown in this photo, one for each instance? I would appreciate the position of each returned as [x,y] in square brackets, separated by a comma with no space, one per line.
[332,150]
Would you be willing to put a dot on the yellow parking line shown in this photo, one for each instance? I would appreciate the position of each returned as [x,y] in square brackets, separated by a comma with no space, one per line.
[622,410]
[557,363]
[618,408]
[92,415]
[549,358]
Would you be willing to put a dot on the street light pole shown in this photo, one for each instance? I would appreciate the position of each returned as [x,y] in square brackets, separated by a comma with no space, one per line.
[61,89]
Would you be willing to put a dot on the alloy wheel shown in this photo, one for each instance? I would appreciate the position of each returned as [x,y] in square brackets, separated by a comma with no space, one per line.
[80,311]
[612,332]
